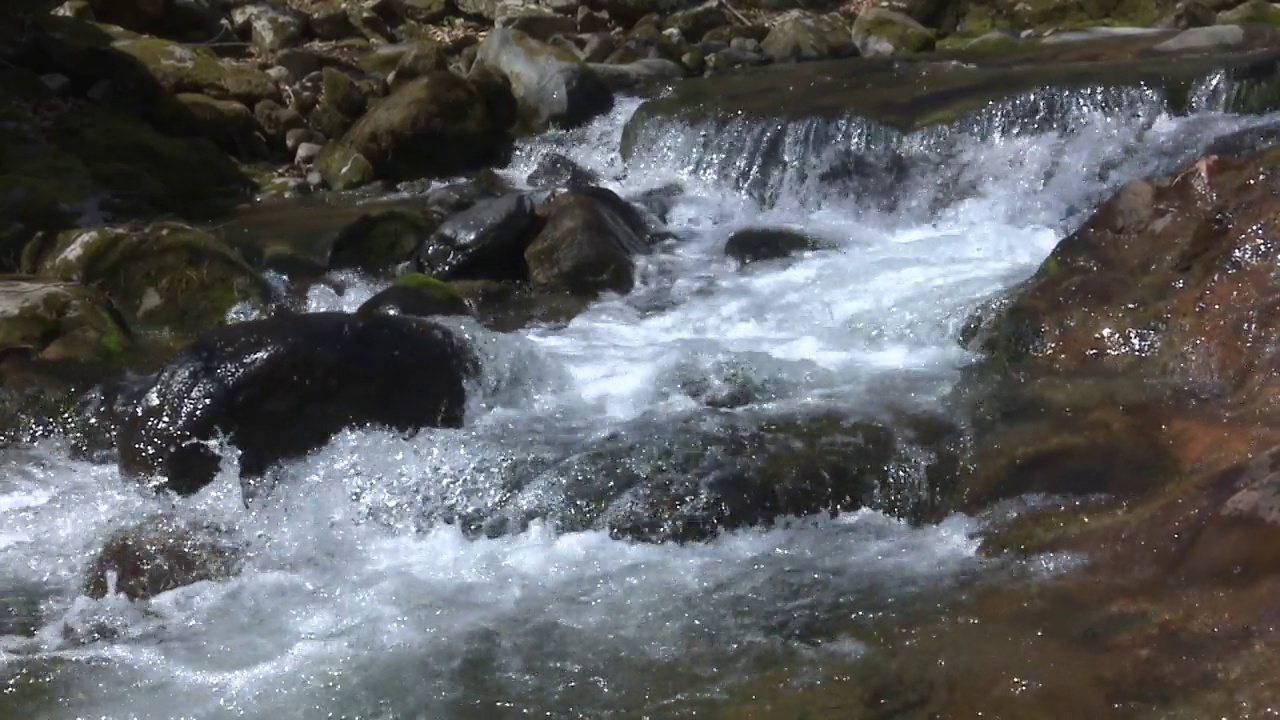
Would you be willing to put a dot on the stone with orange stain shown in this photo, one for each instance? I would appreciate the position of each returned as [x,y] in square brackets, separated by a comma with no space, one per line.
[1172,279]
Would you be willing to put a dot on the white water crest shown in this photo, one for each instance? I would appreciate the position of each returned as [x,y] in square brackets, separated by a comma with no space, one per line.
[358,600]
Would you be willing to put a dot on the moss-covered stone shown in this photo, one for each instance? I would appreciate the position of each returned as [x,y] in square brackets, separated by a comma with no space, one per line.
[379,241]
[417,294]
[341,93]
[101,138]
[1252,12]
[343,167]
[427,284]
[437,125]
[87,49]
[59,321]
[878,32]
[908,95]
[167,277]
[226,122]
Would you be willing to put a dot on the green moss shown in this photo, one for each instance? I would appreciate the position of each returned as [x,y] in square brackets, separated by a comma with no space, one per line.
[59,321]
[979,21]
[169,277]
[379,241]
[897,30]
[437,289]
[101,138]
[1050,267]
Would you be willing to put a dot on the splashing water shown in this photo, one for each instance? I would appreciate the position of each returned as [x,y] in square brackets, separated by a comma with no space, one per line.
[355,601]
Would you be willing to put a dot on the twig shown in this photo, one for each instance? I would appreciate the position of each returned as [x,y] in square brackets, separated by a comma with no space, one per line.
[742,20]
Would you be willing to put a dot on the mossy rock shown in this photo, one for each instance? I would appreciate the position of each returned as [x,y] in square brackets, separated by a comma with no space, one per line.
[343,167]
[1253,12]
[59,321]
[878,32]
[167,277]
[93,50]
[417,294]
[379,241]
[191,173]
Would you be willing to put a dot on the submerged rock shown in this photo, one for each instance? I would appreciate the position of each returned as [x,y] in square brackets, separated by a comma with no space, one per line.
[506,306]
[379,241]
[587,244]
[164,554]
[692,479]
[281,387]
[418,295]
[1240,539]
[757,244]
[556,170]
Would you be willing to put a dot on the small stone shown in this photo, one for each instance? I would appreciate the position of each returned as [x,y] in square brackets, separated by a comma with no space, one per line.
[674,35]
[694,60]
[745,44]
[298,137]
[592,21]
[1216,36]
[307,152]
[78,9]
[314,179]
[278,73]
[57,83]
[344,168]
[100,91]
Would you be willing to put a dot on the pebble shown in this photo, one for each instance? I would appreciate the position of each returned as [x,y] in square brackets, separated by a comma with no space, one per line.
[307,152]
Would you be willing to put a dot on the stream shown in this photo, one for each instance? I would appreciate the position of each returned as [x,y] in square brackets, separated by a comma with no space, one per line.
[443,575]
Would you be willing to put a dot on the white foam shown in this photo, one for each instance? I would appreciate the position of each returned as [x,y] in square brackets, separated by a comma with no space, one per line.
[356,601]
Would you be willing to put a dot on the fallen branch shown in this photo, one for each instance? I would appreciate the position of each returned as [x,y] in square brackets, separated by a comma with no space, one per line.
[739,17]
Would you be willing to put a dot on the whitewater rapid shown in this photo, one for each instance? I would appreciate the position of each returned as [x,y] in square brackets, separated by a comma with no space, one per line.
[357,602]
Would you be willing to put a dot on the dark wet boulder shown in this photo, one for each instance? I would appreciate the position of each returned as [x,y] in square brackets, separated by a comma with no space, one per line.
[380,241]
[556,170]
[506,306]
[437,125]
[551,85]
[418,295]
[456,197]
[485,241]
[281,387]
[758,244]
[160,555]
[587,244]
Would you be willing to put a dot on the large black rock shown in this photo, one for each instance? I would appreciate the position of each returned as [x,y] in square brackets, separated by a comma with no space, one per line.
[282,387]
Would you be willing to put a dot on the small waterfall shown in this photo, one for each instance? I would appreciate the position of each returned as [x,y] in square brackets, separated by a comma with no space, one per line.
[1044,140]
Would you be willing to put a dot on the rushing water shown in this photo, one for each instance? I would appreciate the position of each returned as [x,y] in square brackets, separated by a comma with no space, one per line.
[356,603]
